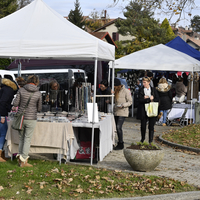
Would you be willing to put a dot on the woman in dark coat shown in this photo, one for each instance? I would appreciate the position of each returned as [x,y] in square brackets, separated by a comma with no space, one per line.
[7,92]
[146,95]
[165,96]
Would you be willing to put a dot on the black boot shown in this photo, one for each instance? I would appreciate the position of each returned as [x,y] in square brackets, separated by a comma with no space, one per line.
[120,146]
[151,134]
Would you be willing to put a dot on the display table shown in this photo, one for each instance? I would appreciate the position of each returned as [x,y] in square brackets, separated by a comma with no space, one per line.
[107,131]
[178,109]
[61,138]
[48,137]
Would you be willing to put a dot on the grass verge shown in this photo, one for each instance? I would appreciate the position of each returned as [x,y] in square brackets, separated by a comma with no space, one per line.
[49,180]
[187,136]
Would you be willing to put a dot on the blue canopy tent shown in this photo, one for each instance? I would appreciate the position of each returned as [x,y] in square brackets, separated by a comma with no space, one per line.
[180,45]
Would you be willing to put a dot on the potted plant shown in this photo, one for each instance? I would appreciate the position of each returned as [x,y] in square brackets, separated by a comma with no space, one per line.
[143,156]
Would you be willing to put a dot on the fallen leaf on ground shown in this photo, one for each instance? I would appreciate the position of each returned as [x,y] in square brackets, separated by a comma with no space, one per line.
[79,190]
[55,170]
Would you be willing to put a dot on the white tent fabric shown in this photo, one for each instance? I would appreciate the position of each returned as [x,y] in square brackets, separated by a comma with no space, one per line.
[159,57]
[37,31]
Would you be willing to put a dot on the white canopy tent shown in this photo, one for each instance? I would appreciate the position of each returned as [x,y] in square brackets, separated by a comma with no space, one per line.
[37,32]
[160,58]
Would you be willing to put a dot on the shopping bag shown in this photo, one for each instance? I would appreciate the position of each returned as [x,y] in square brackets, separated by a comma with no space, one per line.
[18,121]
[84,152]
[151,109]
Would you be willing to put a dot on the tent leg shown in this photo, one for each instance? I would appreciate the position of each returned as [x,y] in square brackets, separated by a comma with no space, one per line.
[109,76]
[133,105]
[93,113]
[113,76]
[192,78]
[19,68]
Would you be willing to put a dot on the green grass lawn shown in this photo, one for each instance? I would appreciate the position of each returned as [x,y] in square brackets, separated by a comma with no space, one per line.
[49,180]
[187,136]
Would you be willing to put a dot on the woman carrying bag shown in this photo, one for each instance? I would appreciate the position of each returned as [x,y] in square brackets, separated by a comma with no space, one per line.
[29,93]
[147,94]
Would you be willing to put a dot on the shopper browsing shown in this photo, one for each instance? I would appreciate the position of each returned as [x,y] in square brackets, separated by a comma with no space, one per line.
[123,100]
[30,90]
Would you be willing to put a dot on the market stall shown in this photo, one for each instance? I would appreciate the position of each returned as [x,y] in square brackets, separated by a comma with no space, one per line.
[44,34]
[160,58]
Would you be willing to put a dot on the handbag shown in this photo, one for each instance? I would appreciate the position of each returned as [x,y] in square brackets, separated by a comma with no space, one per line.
[151,109]
[19,118]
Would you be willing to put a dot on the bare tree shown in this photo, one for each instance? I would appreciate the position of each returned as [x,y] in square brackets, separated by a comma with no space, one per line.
[179,8]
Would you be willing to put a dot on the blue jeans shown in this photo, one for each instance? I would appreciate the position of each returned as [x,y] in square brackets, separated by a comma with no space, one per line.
[3,131]
[164,115]
[119,122]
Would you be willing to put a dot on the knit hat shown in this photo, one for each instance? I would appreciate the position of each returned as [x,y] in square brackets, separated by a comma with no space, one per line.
[150,74]
[117,82]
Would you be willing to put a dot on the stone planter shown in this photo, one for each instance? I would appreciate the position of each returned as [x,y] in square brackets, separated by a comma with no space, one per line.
[143,160]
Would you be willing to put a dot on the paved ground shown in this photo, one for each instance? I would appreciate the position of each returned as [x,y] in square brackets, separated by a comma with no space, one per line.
[176,164]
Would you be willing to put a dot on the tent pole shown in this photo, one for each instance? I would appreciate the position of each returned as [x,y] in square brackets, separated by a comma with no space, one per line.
[192,78]
[113,75]
[109,76]
[19,68]
[93,113]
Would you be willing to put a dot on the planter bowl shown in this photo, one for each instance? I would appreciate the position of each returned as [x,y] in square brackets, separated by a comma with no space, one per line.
[143,160]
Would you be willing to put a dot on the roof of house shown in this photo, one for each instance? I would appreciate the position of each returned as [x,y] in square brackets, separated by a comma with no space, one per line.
[112,21]
[102,35]
[181,32]
[195,41]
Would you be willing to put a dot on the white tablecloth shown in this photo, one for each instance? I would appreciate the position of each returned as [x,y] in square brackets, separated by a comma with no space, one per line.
[107,131]
[177,113]
[47,138]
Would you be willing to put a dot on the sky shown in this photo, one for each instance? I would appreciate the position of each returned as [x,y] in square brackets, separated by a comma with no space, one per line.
[63,7]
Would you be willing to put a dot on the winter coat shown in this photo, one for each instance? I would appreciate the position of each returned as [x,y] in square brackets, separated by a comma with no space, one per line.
[165,96]
[35,103]
[180,89]
[102,105]
[141,113]
[7,92]
[124,99]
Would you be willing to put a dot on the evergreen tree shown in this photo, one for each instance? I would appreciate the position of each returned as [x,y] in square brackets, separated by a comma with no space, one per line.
[140,23]
[165,24]
[7,7]
[195,23]
[76,17]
